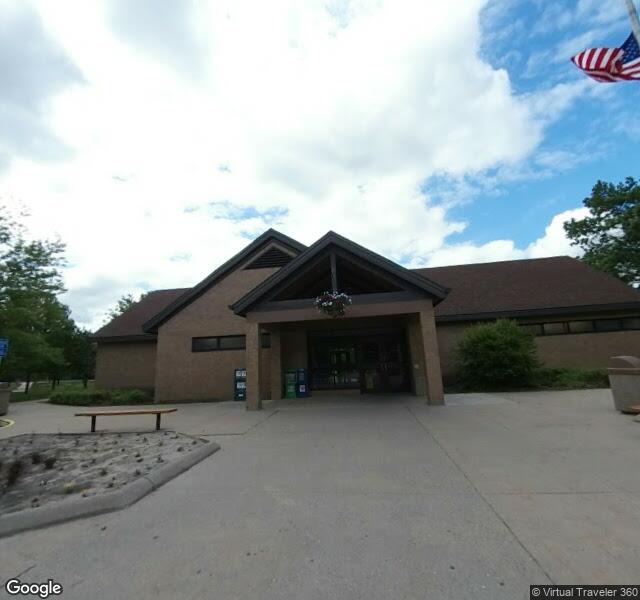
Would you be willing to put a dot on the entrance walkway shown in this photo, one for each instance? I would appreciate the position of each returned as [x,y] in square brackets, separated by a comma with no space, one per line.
[378,500]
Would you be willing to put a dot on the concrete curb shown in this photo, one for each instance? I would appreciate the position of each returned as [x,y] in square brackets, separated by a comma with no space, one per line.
[61,511]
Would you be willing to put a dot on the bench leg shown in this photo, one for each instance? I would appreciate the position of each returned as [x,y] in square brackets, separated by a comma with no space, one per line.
[93,424]
[158,422]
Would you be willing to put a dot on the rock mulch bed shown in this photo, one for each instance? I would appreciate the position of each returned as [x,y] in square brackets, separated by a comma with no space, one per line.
[40,469]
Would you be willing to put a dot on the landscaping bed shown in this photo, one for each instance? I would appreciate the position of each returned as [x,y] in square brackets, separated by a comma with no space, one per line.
[42,470]
[41,390]
[73,393]
[100,397]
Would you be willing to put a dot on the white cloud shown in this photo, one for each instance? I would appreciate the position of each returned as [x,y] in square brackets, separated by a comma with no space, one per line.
[554,242]
[303,116]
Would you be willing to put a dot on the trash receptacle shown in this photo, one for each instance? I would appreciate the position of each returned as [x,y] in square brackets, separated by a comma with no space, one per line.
[289,383]
[240,384]
[302,383]
[624,377]
[5,393]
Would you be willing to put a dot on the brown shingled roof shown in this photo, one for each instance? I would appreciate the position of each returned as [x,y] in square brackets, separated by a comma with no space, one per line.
[540,284]
[129,323]
[508,288]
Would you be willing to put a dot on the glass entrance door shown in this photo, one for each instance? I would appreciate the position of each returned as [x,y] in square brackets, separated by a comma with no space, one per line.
[371,363]
[334,364]
[384,364]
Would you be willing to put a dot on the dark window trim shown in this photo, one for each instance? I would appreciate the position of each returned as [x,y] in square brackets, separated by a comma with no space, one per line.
[204,337]
[265,342]
[567,328]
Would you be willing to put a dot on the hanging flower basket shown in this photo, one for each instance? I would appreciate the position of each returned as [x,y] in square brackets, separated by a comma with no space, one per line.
[332,303]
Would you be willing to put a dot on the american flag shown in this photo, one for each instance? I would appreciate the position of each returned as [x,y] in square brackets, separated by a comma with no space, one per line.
[611,64]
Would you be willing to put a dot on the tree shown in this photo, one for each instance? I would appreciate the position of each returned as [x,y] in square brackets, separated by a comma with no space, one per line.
[492,356]
[80,354]
[610,235]
[125,303]
[37,324]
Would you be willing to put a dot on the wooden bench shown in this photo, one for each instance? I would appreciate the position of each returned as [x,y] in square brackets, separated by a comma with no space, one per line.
[158,412]
[633,410]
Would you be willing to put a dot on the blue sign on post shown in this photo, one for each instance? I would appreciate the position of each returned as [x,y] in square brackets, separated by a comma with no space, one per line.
[4,346]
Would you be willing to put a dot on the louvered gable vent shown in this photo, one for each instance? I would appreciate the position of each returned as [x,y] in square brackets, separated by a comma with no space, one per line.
[273,257]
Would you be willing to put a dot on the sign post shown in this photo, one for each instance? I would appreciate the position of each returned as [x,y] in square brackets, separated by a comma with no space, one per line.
[4,346]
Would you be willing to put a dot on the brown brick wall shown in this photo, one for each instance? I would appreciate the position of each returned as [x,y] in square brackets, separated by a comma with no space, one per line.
[126,365]
[588,350]
[183,375]
[448,337]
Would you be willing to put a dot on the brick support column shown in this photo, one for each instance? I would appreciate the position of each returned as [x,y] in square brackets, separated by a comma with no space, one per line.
[276,365]
[416,352]
[435,393]
[253,348]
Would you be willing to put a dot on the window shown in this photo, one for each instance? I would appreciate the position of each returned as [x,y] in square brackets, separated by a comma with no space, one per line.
[535,329]
[585,326]
[608,325]
[580,326]
[225,342]
[231,342]
[204,344]
[554,328]
[631,323]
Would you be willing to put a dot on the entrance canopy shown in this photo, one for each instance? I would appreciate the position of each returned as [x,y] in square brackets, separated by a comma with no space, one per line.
[335,263]
[399,360]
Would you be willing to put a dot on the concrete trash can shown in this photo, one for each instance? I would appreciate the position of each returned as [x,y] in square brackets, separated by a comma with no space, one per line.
[5,392]
[624,377]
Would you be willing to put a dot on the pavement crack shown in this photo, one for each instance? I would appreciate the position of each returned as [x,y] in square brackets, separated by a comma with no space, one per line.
[481,495]
[25,571]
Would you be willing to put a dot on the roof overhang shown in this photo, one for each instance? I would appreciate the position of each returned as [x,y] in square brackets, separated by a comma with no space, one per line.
[108,339]
[411,280]
[560,311]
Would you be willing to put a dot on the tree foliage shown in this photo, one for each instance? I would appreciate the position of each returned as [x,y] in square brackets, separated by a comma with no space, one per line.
[123,304]
[496,355]
[610,234]
[43,339]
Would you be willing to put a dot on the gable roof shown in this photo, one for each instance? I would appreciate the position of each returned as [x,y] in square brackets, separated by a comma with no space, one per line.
[484,290]
[129,323]
[520,287]
[271,235]
[417,280]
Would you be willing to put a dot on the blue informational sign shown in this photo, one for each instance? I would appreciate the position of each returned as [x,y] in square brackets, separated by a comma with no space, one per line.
[4,346]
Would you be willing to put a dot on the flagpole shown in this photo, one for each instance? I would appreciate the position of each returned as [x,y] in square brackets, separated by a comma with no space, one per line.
[633,17]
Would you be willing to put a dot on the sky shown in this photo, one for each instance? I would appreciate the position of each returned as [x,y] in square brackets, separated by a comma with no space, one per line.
[157,139]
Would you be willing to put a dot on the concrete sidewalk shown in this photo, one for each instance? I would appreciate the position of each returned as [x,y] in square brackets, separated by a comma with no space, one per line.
[477,500]
[204,418]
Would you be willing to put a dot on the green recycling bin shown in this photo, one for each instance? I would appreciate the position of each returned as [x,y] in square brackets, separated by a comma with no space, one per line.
[289,381]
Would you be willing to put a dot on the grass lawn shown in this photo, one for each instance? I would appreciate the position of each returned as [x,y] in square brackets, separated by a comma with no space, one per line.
[42,390]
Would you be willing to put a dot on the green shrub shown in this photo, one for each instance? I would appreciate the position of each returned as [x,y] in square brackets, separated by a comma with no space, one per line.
[495,356]
[41,390]
[570,378]
[100,397]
